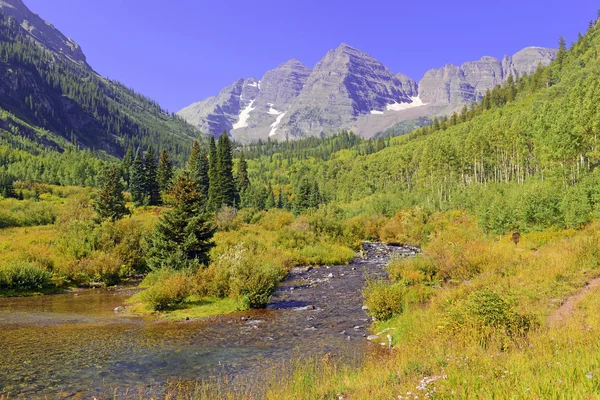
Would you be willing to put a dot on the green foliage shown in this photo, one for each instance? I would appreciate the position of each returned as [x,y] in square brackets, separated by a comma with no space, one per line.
[7,184]
[168,290]
[198,168]
[182,237]
[110,204]
[225,192]
[137,180]
[244,272]
[488,315]
[151,185]
[164,173]
[384,299]
[24,276]
[26,213]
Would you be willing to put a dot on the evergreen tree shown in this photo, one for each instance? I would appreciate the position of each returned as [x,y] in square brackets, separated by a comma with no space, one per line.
[151,187]
[213,190]
[126,164]
[243,181]
[6,184]
[464,114]
[198,167]
[110,204]
[182,237]
[561,53]
[137,180]
[226,188]
[194,159]
[270,200]
[164,173]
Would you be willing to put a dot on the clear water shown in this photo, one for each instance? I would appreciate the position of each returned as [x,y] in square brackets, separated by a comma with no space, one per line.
[75,344]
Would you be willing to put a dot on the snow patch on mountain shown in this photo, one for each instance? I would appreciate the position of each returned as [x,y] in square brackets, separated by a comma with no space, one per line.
[273,111]
[244,115]
[376,112]
[275,124]
[416,102]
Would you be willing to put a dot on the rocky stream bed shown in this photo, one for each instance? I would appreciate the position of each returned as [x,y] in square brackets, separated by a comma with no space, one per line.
[76,346]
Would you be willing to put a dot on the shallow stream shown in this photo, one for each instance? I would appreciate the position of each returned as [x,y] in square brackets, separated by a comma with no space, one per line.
[74,345]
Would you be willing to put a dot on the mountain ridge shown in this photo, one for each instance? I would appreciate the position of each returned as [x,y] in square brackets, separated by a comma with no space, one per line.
[350,89]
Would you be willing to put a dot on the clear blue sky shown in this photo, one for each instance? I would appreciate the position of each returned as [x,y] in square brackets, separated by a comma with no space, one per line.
[181,51]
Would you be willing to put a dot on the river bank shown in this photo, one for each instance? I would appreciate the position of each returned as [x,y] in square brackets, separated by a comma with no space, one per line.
[77,344]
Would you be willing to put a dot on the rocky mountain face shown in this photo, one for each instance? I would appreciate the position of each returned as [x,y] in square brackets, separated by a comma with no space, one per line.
[349,89]
[43,32]
[469,82]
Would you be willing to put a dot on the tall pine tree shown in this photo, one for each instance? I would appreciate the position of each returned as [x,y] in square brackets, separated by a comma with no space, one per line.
[182,237]
[226,188]
[198,167]
[151,188]
[126,164]
[110,204]
[212,174]
[137,180]
[164,174]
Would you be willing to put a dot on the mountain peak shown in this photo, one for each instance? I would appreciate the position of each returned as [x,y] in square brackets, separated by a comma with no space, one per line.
[345,47]
[292,63]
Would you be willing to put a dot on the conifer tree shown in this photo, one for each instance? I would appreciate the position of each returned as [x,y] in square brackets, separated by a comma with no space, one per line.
[164,173]
[110,204]
[151,188]
[243,181]
[193,160]
[464,114]
[561,53]
[212,174]
[6,184]
[198,167]
[182,237]
[137,180]
[126,164]
[226,188]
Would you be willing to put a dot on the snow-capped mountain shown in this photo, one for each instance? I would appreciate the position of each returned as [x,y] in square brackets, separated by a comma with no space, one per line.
[349,89]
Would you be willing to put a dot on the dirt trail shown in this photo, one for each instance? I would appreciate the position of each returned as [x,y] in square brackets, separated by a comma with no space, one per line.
[562,313]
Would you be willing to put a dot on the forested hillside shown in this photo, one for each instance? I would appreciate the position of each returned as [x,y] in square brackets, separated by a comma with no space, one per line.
[525,157]
[82,109]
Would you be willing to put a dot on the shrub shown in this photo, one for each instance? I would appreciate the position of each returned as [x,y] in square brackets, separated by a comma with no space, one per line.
[25,213]
[274,220]
[384,299]
[247,273]
[20,275]
[486,315]
[124,239]
[407,227]
[169,289]
[226,218]
[102,267]
[323,254]
[410,271]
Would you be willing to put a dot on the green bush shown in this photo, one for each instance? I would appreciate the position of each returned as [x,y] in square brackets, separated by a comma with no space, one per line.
[20,275]
[247,273]
[168,290]
[26,213]
[487,315]
[384,299]
[410,271]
